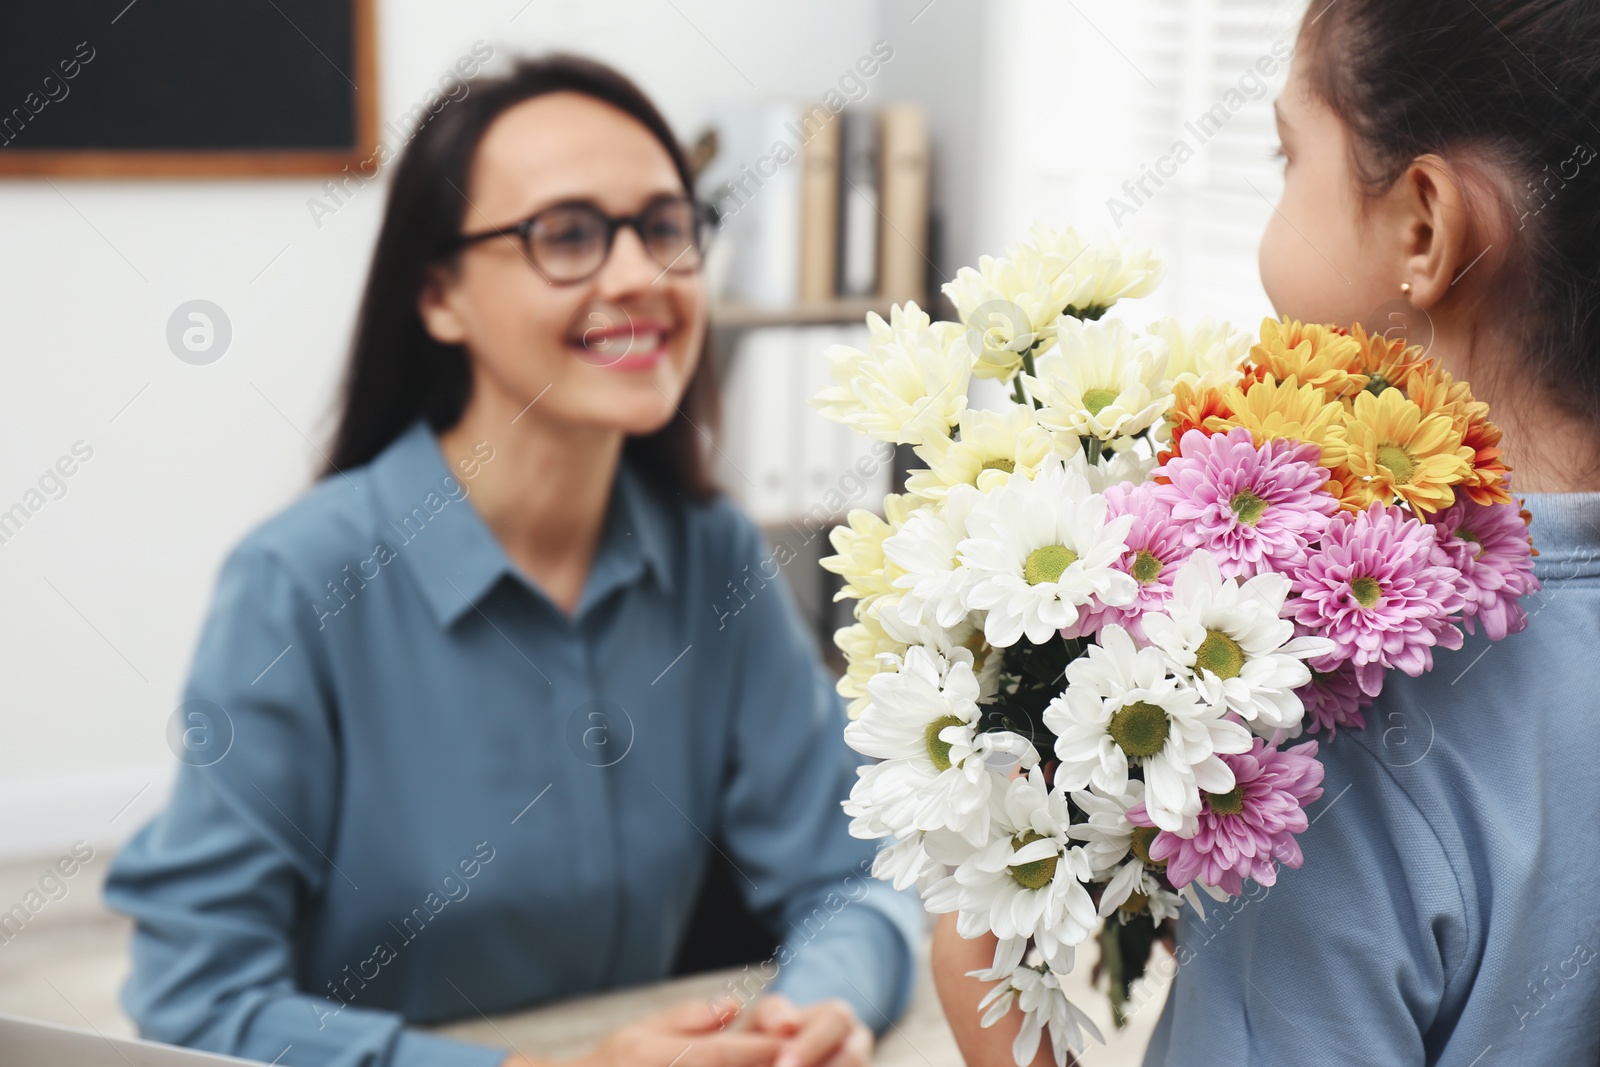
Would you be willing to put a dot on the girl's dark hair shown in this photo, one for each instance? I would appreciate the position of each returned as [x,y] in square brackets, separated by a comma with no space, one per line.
[397,371]
[1514,84]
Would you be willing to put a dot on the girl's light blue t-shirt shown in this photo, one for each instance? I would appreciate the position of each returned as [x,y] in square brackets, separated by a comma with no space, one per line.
[1446,913]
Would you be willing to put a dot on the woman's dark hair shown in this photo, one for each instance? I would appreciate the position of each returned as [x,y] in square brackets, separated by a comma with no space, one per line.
[1515,85]
[397,371]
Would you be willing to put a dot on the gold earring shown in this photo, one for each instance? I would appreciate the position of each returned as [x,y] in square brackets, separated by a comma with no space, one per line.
[1405,288]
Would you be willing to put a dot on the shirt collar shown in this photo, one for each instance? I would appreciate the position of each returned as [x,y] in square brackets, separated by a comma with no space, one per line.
[1566,531]
[426,516]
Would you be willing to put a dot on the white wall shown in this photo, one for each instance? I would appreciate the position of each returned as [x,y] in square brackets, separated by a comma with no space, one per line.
[104,588]
[1038,110]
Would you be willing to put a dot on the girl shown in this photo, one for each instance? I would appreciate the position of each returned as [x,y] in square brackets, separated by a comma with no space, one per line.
[1439,154]
[489,698]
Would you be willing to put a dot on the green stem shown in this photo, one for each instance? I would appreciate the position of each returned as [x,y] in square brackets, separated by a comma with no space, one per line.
[1091,448]
[1022,398]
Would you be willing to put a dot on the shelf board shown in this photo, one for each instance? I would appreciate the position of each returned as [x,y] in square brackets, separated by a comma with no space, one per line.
[834,312]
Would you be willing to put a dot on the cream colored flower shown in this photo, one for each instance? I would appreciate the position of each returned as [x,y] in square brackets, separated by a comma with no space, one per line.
[1100,380]
[991,445]
[858,545]
[1008,309]
[1208,355]
[908,387]
[868,652]
[1100,271]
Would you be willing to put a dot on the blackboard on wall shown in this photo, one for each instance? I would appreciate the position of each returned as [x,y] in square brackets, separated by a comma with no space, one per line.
[186,87]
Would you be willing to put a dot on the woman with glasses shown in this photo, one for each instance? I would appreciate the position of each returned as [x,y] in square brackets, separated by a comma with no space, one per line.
[474,714]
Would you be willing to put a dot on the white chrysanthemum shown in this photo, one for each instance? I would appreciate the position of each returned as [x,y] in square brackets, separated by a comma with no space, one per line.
[1128,467]
[1028,880]
[922,720]
[858,547]
[1103,269]
[1040,550]
[1122,704]
[919,859]
[992,445]
[1100,380]
[923,554]
[1227,639]
[909,386]
[868,651]
[1119,851]
[1208,355]
[1037,993]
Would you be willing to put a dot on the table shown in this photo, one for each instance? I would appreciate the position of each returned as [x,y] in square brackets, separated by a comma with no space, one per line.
[569,1028]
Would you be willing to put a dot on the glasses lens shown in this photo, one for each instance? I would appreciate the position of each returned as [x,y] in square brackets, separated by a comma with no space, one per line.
[568,241]
[671,233]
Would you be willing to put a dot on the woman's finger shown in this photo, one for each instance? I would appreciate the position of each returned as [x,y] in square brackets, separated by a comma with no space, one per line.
[824,1027]
[776,1014]
[698,1016]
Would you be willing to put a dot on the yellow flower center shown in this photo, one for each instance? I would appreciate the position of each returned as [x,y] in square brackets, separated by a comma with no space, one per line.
[1143,838]
[1038,873]
[1046,564]
[1134,904]
[1401,464]
[1247,506]
[1146,568]
[1219,654]
[1467,535]
[1140,729]
[938,749]
[1097,400]
[1000,464]
[1229,803]
[1366,591]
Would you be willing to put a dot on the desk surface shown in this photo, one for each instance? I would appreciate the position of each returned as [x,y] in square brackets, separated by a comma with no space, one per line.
[569,1028]
[921,1039]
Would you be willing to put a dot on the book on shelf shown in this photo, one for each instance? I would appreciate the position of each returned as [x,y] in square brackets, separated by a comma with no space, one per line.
[780,459]
[857,192]
[820,207]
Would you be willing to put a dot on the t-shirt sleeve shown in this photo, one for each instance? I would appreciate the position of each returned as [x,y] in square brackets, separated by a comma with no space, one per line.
[1345,960]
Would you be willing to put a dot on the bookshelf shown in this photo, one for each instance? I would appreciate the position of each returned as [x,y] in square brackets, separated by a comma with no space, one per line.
[738,316]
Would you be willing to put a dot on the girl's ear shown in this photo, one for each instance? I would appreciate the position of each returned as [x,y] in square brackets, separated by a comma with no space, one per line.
[1441,239]
[436,305]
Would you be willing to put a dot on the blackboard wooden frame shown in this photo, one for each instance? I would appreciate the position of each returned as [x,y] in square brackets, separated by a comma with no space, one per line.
[230,162]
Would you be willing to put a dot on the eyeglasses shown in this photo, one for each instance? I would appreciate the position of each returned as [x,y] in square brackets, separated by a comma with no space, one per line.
[569,242]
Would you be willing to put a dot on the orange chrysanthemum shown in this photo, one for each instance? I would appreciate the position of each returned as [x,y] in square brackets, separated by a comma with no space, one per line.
[1271,410]
[1397,451]
[1191,408]
[1321,356]
[1386,363]
[1436,392]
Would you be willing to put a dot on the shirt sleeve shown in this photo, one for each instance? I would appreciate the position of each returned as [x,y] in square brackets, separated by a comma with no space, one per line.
[844,934]
[216,883]
[1344,960]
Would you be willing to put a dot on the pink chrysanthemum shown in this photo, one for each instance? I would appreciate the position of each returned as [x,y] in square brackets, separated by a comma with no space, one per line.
[1247,832]
[1380,587]
[1156,550]
[1489,545]
[1254,509]
[1334,699]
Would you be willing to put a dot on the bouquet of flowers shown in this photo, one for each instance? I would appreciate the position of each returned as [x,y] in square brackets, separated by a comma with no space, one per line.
[1093,631]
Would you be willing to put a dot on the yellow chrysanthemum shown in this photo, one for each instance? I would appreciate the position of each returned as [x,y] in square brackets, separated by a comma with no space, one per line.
[1271,410]
[1436,392]
[1315,355]
[1397,451]
[859,546]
